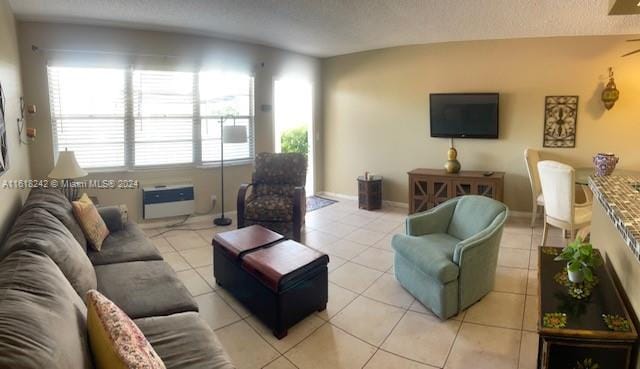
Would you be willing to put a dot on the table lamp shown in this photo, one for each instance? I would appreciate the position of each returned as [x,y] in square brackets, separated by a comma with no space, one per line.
[230,134]
[67,169]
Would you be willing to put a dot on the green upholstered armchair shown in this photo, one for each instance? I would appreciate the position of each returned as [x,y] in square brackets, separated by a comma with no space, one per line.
[447,259]
[277,199]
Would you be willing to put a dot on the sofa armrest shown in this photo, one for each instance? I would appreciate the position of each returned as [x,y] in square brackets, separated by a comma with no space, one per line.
[113,217]
[241,202]
[435,220]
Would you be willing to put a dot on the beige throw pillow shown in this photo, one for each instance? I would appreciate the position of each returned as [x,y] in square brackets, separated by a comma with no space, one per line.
[90,221]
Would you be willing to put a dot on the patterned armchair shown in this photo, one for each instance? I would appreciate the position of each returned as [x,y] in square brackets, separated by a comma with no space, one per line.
[277,199]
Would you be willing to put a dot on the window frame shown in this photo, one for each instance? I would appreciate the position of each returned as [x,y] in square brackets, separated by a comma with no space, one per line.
[130,119]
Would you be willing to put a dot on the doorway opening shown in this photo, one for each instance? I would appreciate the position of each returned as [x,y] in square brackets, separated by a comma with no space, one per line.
[293,120]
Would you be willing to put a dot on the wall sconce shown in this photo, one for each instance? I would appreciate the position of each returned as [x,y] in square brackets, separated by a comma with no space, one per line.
[610,94]
[30,133]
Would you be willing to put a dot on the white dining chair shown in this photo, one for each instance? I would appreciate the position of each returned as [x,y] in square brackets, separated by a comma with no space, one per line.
[557,181]
[531,158]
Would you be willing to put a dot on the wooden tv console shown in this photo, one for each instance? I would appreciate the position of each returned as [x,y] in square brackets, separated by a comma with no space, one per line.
[430,187]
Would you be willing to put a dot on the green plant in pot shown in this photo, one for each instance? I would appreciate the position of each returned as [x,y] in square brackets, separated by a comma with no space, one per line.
[581,259]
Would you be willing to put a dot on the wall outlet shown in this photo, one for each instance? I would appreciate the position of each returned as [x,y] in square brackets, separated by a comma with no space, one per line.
[213,199]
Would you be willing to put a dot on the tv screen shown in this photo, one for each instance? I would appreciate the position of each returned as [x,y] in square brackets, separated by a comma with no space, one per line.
[464,115]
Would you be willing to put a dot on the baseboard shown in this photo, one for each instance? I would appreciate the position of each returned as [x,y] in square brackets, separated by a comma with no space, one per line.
[355,198]
[520,214]
[338,195]
[512,213]
[194,218]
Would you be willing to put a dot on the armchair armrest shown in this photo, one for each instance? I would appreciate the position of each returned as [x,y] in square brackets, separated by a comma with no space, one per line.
[435,220]
[479,238]
[299,211]
[240,203]
[477,258]
[430,260]
[112,217]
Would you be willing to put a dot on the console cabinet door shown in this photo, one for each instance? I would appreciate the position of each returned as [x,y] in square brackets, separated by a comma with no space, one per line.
[487,188]
[463,187]
[419,196]
[440,190]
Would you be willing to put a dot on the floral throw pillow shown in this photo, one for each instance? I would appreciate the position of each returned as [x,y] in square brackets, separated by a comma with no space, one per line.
[116,341]
[94,228]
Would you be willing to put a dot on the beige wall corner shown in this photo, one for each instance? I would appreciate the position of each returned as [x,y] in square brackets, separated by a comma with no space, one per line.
[11,199]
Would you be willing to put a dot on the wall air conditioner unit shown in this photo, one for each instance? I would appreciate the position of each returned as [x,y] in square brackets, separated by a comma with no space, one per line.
[164,201]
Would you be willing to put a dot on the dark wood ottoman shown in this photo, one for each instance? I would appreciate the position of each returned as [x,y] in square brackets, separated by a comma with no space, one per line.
[280,281]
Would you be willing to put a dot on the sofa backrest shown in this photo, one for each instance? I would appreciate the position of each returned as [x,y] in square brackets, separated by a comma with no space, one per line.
[473,214]
[36,229]
[57,204]
[42,319]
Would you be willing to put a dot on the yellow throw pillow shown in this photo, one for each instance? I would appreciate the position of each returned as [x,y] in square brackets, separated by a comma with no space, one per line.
[90,221]
[116,341]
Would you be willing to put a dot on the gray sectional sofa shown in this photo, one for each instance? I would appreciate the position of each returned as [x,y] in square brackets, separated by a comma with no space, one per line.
[46,269]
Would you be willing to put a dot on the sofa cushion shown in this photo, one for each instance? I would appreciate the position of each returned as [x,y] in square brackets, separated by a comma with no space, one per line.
[94,228]
[128,244]
[270,208]
[472,215]
[184,341]
[56,203]
[42,319]
[432,254]
[144,288]
[114,216]
[37,229]
[116,341]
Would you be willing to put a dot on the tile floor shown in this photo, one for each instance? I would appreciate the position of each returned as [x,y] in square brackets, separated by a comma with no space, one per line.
[371,322]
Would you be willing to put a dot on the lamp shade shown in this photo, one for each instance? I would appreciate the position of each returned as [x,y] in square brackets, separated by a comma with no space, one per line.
[67,167]
[234,134]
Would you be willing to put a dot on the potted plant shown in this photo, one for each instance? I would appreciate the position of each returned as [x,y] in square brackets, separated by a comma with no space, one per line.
[581,260]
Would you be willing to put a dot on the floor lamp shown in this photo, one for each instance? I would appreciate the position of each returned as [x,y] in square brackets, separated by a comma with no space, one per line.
[229,135]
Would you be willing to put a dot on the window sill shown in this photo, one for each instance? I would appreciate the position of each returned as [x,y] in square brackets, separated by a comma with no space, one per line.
[170,167]
[226,164]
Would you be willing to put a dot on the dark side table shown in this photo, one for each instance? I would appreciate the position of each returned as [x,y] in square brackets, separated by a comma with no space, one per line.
[370,192]
[582,325]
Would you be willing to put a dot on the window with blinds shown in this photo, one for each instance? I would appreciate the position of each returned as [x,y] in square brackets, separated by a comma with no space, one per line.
[226,98]
[163,117]
[124,119]
[87,112]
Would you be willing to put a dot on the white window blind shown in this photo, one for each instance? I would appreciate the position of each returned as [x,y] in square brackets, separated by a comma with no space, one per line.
[87,110]
[124,119]
[163,105]
[228,96]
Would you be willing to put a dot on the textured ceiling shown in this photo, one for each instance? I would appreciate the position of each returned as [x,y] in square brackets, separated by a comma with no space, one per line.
[333,27]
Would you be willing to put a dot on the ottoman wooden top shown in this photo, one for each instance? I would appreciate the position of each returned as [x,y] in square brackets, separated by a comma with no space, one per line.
[241,240]
[284,259]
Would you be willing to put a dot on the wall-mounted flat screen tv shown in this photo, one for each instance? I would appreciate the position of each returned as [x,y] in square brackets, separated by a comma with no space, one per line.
[464,115]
